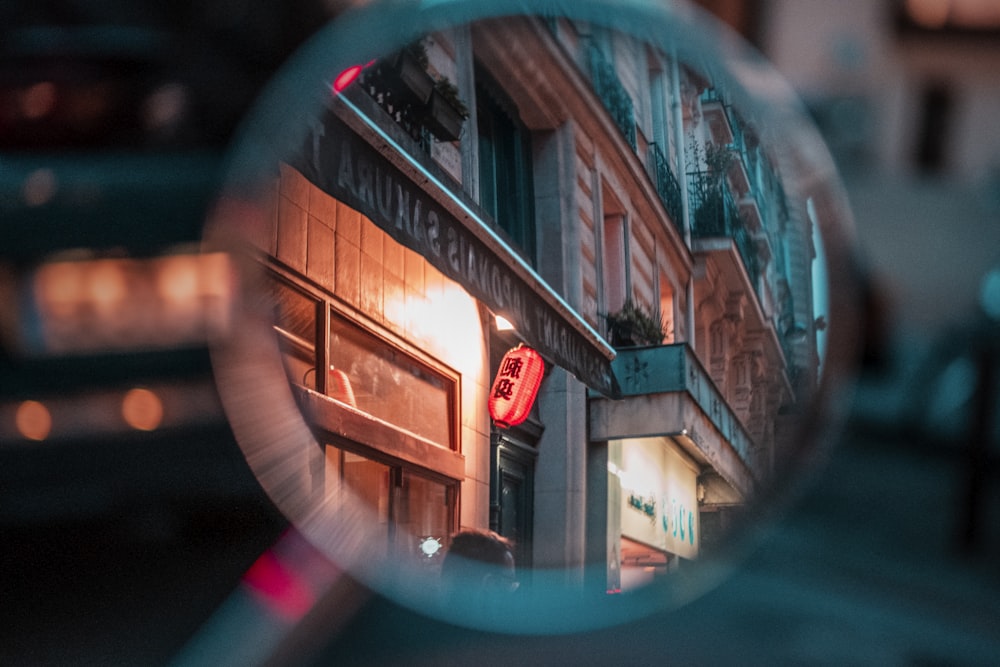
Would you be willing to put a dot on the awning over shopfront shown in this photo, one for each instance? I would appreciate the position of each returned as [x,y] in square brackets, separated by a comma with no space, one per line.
[356,161]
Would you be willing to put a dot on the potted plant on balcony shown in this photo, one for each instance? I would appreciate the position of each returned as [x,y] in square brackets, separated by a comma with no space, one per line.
[710,189]
[635,325]
[445,112]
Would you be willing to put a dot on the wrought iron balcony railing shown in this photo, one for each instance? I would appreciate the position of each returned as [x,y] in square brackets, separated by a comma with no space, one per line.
[613,95]
[667,186]
[396,95]
[716,215]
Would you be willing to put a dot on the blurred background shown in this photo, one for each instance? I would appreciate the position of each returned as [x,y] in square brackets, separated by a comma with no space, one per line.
[121,540]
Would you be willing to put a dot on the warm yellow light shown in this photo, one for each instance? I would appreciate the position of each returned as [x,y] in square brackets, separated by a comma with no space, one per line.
[177,280]
[142,409]
[458,329]
[106,283]
[503,324]
[216,274]
[33,420]
[58,288]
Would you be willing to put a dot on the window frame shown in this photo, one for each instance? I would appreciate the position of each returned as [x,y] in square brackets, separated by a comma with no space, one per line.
[330,418]
[397,469]
[494,109]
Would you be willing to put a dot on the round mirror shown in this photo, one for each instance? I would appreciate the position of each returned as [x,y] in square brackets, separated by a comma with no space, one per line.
[539,319]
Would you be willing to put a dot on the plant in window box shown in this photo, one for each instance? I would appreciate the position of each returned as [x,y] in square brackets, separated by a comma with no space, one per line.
[635,325]
[404,75]
[445,112]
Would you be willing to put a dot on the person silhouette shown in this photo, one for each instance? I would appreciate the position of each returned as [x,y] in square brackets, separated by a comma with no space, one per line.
[479,564]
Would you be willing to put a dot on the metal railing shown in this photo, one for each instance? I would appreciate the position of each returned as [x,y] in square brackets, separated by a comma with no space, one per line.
[715,214]
[748,156]
[613,95]
[667,186]
[402,110]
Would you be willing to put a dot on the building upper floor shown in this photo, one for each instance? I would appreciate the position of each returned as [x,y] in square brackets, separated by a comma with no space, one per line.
[625,179]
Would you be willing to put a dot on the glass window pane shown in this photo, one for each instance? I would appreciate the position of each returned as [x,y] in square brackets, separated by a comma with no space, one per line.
[391,385]
[423,520]
[295,313]
[370,481]
[295,323]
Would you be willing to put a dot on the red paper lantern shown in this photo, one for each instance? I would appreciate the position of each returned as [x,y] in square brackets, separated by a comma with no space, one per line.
[516,386]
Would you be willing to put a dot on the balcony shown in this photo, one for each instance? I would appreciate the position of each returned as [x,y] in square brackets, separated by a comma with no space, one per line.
[729,131]
[613,95]
[667,186]
[716,215]
[667,392]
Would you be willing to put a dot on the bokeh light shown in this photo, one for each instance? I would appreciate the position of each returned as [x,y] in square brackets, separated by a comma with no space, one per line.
[33,420]
[142,409]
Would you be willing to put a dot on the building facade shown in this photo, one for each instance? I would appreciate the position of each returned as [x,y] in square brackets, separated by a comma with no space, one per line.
[554,184]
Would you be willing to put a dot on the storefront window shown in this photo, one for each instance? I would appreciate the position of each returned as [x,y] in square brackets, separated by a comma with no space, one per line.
[392,457]
[295,324]
[391,385]
[423,520]
[369,480]
[415,511]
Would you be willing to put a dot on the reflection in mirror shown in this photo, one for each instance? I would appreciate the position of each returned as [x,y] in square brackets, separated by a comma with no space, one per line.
[651,219]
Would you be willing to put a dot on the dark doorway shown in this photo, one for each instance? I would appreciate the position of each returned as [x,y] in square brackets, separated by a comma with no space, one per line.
[512,494]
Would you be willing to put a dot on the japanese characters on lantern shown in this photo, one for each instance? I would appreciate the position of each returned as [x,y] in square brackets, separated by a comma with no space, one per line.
[516,385]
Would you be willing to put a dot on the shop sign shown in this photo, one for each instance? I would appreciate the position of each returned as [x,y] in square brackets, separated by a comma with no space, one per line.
[659,502]
[350,169]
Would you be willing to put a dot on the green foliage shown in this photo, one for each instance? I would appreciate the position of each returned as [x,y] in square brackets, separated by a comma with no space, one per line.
[636,325]
[418,50]
[449,92]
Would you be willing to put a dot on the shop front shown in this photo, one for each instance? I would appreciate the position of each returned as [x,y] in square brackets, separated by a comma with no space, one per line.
[677,460]
[388,285]
[658,524]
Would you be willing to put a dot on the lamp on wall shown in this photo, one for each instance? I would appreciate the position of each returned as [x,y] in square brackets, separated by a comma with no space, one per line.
[502,323]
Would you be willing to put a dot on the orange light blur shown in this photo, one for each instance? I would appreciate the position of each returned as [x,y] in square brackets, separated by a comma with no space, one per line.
[142,409]
[177,280]
[106,285]
[118,304]
[60,285]
[33,420]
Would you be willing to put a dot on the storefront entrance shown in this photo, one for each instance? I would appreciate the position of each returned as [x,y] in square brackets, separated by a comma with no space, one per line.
[654,516]
[415,510]
[512,495]
[642,564]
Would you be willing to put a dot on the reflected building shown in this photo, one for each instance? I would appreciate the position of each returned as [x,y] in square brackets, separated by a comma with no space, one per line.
[630,224]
